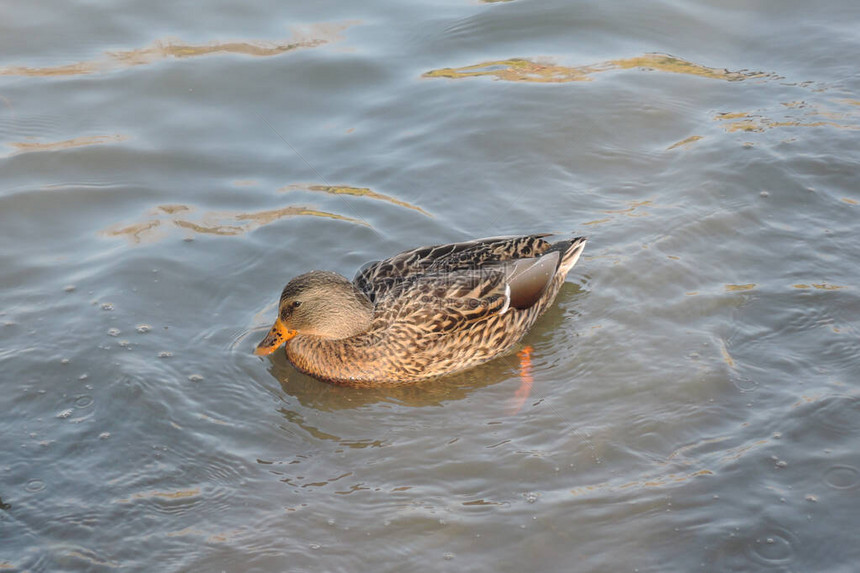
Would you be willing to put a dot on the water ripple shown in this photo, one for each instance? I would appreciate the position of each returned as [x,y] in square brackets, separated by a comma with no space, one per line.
[837,413]
[772,546]
[841,477]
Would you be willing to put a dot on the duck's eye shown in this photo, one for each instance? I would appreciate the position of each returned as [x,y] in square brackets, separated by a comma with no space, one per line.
[296,304]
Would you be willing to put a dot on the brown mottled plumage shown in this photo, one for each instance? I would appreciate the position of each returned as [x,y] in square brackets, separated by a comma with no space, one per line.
[422,313]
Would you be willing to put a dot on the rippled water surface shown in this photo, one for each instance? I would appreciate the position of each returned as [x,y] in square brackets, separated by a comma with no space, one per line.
[167,167]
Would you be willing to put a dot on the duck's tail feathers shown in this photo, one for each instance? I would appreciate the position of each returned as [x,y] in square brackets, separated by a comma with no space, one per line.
[570,251]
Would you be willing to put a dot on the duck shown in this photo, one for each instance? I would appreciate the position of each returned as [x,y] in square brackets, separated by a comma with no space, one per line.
[420,314]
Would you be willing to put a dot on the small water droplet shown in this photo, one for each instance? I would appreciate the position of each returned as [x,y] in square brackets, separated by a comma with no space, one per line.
[64,414]
[810,497]
[315,546]
[83,376]
[107,306]
[104,435]
[165,354]
[195,378]
[781,464]
[531,496]
[65,361]
[69,288]
[143,328]
[448,556]
[113,332]
[764,194]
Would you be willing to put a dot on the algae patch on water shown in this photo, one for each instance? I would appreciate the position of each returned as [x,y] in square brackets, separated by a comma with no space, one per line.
[171,48]
[540,71]
[354,192]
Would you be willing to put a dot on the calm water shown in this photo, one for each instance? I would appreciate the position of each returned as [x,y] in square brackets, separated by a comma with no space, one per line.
[165,168]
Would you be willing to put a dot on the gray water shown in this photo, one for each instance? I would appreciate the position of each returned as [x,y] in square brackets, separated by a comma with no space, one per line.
[166,167]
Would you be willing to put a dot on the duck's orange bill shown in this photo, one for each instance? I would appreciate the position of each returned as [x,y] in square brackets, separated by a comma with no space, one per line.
[277,336]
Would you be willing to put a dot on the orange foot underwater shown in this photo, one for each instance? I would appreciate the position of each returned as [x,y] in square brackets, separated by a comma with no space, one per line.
[526,380]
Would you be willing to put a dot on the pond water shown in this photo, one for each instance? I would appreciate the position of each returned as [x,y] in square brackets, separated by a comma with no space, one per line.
[167,167]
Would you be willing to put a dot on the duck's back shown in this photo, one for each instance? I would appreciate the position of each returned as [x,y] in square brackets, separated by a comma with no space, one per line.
[378,278]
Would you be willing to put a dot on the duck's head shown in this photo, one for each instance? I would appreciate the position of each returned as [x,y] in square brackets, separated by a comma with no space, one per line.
[318,303]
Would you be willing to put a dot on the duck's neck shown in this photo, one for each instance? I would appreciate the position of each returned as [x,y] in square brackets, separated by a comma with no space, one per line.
[352,316]
[341,312]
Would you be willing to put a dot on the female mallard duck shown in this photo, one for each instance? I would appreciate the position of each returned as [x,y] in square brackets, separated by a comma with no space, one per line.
[423,313]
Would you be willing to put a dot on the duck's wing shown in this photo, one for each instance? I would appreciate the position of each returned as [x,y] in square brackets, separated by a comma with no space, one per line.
[378,278]
[446,302]
[443,303]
